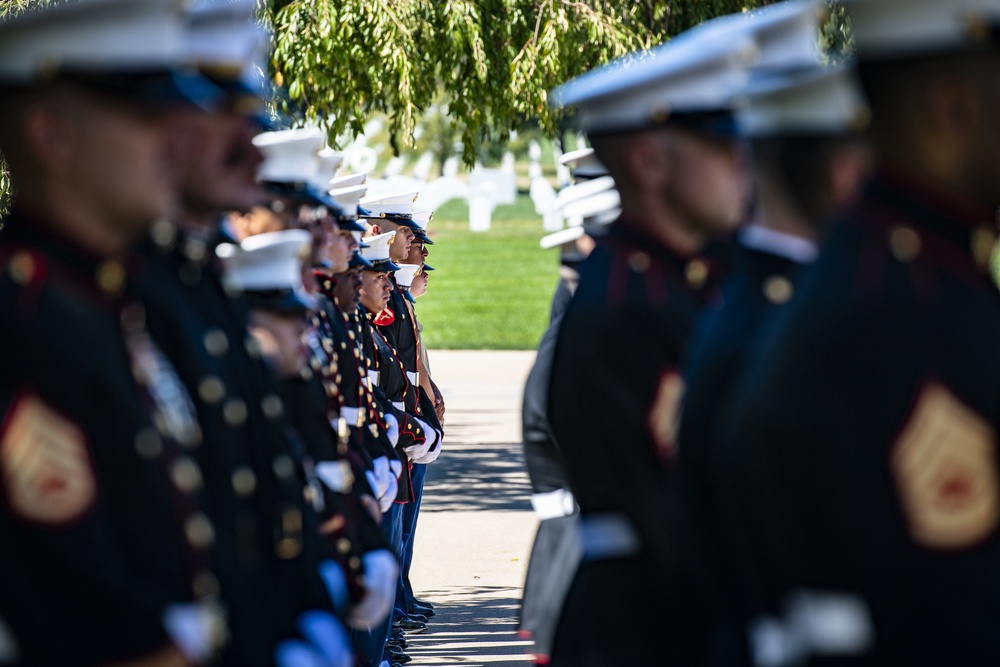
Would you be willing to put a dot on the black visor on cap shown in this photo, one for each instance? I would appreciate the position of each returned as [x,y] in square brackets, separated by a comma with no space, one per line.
[382,265]
[304,193]
[350,224]
[404,220]
[153,88]
[716,123]
[280,300]
[358,261]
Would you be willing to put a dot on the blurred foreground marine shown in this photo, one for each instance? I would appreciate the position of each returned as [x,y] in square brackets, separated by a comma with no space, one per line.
[555,553]
[861,443]
[107,546]
[614,383]
[809,160]
[126,519]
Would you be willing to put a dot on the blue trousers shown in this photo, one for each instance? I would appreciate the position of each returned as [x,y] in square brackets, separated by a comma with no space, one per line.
[370,645]
[404,591]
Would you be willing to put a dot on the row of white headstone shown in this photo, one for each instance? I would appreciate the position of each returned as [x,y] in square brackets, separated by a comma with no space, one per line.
[484,190]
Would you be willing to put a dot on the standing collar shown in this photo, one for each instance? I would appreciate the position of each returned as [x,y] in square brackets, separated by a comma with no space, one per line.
[920,219]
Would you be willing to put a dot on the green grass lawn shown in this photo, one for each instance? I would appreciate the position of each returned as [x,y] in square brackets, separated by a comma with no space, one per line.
[490,290]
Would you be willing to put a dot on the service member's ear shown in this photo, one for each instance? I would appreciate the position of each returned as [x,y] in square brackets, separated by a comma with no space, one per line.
[376,230]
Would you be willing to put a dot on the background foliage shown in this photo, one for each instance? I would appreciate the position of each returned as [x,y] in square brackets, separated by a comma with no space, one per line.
[491,63]
[484,66]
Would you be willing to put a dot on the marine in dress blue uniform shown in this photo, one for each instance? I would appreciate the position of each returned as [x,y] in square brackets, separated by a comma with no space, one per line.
[615,385]
[389,386]
[803,126]
[555,552]
[109,551]
[287,570]
[864,455]
[395,212]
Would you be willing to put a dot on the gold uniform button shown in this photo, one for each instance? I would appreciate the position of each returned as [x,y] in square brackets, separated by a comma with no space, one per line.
[235,412]
[696,273]
[111,277]
[216,342]
[211,389]
[778,290]
[22,268]
[244,481]
[271,406]
[905,244]
[186,475]
[343,545]
[288,548]
[199,531]
[639,262]
[283,466]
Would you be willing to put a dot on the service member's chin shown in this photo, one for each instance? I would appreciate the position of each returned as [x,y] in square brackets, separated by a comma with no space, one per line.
[280,336]
[419,285]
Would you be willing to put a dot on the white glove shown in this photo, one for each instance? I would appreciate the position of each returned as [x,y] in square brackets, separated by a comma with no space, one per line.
[432,454]
[386,501]
[392,428]
[414,452]
[328,636]
[396,466]
[381,575]
[337,475]
[377,476]
[195,629]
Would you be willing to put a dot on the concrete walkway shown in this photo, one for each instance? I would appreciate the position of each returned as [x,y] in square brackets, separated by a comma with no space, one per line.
[476,525]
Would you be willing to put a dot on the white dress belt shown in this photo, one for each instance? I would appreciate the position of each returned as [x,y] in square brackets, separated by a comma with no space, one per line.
[553,504]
